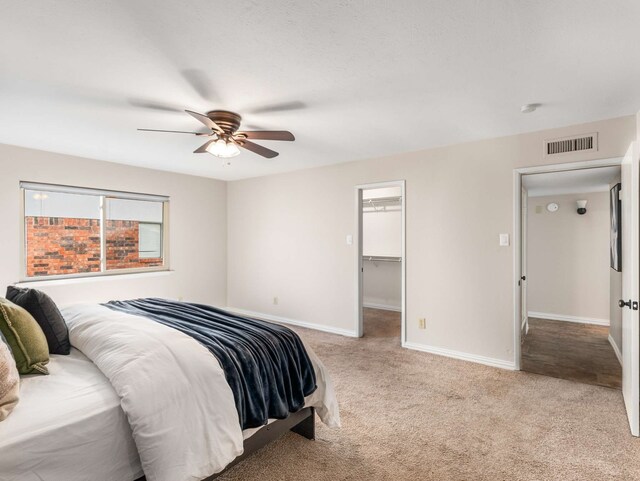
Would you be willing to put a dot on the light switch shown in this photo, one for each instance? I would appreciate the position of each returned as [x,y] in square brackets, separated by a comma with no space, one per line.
[504,240]
[349,240]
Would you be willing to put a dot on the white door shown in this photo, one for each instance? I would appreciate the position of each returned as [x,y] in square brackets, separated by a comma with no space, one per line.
[524,315]
[630,284]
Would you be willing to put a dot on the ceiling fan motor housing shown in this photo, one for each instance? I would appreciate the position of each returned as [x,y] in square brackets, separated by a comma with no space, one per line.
[227,121]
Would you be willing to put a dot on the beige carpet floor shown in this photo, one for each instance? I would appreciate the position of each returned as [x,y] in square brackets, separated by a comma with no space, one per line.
[409,415]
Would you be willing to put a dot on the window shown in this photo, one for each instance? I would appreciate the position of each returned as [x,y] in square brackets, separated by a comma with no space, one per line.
[72,231]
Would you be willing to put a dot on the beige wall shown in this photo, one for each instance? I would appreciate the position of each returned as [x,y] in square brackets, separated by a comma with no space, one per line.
[568,257]
[458,199]
[382,233]
[382,285]
[197,227]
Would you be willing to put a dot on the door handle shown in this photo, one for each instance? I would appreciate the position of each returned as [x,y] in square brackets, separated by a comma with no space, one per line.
[623,304]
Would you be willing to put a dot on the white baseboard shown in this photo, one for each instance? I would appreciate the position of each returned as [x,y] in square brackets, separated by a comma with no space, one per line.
[487,361]
[616,349]
[384,307]
[562,317]
[294,322]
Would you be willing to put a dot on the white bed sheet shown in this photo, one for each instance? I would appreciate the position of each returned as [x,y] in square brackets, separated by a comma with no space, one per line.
[68,426]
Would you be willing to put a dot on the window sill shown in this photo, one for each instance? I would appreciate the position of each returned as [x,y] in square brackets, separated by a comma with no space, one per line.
[89,279]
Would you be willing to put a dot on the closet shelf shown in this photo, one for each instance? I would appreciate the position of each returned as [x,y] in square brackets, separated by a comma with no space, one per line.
[382,258]
[380,204]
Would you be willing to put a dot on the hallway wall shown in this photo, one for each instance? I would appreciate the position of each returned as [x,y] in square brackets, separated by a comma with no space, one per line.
[568,258]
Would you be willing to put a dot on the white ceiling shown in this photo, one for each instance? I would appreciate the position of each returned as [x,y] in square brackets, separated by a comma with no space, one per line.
[570,181]
[375,78]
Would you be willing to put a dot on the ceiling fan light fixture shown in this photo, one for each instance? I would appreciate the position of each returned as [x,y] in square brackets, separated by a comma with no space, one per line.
[223,149]
[232,149]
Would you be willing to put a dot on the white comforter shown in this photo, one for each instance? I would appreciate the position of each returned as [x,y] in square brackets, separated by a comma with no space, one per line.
[173,391]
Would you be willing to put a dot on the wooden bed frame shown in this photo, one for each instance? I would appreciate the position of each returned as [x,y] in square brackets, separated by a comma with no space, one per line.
[301,422]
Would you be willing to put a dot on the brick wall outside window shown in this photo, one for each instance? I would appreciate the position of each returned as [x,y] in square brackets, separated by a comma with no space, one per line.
[59,245]
[122,246]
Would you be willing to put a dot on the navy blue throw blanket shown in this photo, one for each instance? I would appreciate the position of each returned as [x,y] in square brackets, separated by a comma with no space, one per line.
[266,365]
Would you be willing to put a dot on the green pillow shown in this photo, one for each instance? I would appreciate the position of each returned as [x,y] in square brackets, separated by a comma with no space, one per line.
[25,338]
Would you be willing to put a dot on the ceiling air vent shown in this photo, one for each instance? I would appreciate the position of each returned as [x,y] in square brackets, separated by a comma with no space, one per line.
[565,145]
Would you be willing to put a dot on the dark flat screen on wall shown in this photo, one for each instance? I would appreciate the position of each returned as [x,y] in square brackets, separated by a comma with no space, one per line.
[616,238]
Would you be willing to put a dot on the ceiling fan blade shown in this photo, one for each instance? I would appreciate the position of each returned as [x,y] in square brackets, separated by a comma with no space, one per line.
[175,131]
[258,149]
[254,127]
[203,148]
[205,120]
[201,84]
[268,135]
[150,104]
[281,107]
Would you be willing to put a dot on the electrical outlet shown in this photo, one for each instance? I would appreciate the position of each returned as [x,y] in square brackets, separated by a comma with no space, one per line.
[275,301]
[422,323]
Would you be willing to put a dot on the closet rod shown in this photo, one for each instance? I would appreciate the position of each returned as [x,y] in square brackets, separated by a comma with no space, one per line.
[382,204]
[379,209]
[382,200]
[382,258]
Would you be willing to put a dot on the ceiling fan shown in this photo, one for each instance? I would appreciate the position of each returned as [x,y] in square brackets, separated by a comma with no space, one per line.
[223,126]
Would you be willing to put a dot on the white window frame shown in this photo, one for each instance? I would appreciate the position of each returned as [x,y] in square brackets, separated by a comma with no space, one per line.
[103,194]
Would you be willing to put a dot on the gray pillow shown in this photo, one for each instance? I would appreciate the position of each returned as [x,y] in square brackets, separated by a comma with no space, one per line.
[46,314]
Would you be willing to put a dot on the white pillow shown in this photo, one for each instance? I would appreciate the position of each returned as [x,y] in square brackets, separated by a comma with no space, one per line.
[9,382]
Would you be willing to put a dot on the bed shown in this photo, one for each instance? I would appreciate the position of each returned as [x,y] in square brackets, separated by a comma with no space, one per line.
[72,411]
[131,391]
